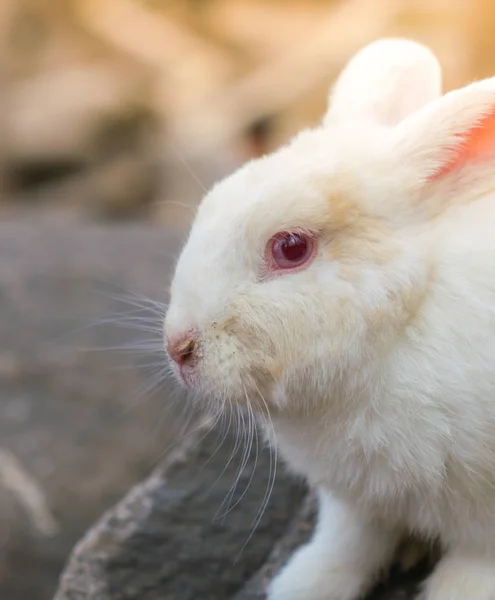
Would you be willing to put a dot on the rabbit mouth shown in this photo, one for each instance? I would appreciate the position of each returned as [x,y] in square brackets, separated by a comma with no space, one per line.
[187,374]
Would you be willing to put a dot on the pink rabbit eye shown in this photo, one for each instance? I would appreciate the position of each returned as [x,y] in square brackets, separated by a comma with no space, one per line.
[290,250]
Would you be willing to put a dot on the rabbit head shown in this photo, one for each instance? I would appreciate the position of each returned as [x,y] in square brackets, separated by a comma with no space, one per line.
[303,268]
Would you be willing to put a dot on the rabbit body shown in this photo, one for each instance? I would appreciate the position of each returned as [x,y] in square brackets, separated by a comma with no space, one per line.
[372,360]
[407,438]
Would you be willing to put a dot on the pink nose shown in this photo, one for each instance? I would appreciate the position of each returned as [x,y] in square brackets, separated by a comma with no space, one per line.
[182,348]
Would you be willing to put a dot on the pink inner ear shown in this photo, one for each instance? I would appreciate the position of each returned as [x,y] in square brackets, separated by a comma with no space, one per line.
[475,143]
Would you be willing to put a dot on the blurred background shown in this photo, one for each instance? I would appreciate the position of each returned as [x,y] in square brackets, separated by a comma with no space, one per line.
[115,116]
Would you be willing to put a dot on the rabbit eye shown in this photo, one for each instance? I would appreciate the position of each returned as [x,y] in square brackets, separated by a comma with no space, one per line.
[290,250]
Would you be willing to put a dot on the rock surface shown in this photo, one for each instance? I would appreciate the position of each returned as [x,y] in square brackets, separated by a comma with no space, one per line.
[163,540]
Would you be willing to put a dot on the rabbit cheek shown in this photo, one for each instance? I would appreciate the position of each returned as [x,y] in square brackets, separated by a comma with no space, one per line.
[240,360]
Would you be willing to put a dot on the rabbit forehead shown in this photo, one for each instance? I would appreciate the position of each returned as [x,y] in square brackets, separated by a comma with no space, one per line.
[302,184]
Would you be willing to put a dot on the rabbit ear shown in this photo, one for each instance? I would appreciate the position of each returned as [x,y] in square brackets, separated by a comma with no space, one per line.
[451,141]
[384,82]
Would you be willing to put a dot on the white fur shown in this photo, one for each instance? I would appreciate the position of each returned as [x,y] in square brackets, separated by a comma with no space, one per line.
[359,547]
[384,82]
[377,361]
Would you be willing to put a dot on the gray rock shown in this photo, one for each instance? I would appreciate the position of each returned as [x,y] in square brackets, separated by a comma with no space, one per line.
[163,542]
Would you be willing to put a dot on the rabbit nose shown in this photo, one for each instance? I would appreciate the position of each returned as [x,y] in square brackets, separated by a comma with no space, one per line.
[182,348]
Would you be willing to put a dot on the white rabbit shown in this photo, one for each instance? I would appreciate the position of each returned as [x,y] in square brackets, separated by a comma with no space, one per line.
[346,286]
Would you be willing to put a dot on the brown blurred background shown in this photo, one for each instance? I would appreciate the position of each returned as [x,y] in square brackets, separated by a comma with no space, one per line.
[115,115]
[108,105]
